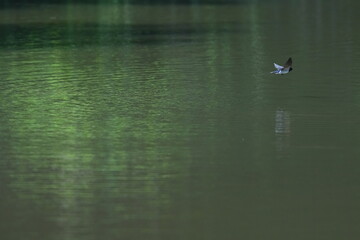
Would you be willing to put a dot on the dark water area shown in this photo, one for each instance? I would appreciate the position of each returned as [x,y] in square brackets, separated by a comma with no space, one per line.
[26,3]
[137,121]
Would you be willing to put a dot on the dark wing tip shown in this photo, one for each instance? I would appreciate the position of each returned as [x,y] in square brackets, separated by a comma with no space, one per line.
[288,63]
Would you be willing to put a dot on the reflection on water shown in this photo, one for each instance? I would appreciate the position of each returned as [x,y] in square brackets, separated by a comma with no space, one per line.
[127,121]
[282,129]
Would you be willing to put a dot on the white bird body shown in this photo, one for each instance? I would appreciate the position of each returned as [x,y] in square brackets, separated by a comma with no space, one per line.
[283,69]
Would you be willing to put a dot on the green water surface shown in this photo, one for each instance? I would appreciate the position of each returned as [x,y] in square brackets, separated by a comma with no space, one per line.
[136,121]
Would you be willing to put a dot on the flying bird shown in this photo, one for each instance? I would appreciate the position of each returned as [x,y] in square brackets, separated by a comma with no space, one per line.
[283,69]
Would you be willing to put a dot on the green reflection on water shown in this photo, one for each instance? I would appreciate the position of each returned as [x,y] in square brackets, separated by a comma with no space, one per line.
[161,122]
[74,138]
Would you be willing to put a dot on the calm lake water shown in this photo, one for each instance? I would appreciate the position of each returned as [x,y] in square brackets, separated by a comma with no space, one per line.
[122,121]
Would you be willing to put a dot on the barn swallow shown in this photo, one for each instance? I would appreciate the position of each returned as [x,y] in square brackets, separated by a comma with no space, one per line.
[283,69]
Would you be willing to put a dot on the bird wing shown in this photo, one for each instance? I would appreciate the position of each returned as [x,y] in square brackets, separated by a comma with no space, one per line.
[288,63]
[278,66]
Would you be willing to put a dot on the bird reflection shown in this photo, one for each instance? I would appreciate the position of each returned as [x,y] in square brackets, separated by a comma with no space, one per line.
[282,129]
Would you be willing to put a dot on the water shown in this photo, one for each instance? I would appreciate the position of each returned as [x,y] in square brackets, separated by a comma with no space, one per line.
[124,121]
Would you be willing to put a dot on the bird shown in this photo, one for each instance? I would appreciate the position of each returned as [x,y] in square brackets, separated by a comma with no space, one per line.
[283,69]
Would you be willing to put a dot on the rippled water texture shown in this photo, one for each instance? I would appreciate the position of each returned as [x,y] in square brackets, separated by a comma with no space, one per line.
[122,121]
